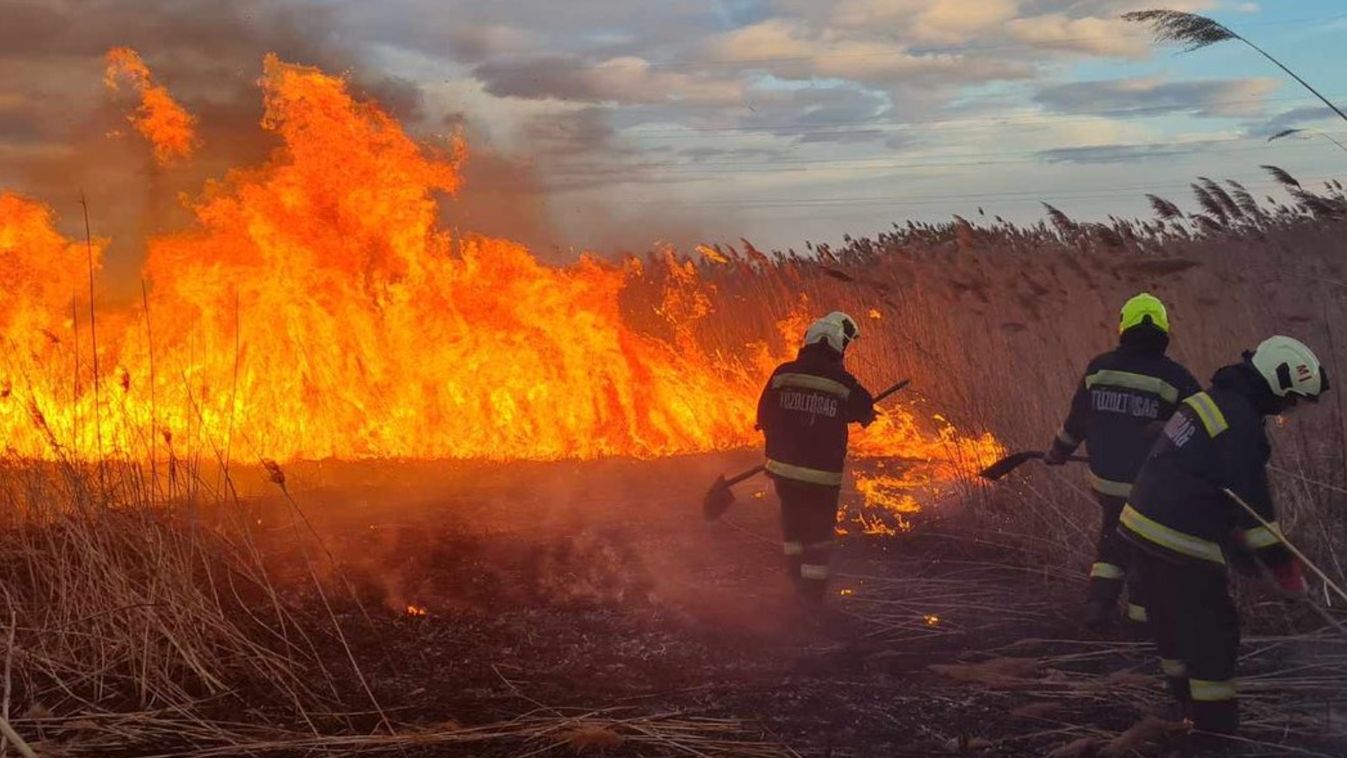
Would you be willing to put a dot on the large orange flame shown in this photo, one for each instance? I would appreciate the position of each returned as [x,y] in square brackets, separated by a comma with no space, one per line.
[170,129]
[315,310]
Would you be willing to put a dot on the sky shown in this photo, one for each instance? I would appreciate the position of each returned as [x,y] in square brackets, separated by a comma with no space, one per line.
[617,124]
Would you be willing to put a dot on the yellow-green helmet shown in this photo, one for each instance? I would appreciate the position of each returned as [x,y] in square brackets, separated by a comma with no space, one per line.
[1144,306]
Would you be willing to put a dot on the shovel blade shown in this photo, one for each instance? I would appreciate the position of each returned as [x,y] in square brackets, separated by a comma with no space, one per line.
[1008,464]
[718,500]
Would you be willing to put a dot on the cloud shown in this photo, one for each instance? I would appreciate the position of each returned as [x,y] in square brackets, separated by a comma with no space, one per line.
[1294,118]
[628,80]
[1149,97]
[1123,153]
[790,49]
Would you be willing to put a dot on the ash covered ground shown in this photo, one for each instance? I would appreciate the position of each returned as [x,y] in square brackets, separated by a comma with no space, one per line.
[596,591]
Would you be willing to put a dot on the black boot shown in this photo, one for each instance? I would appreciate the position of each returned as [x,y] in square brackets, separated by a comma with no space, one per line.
[1182,698]
[1101,603]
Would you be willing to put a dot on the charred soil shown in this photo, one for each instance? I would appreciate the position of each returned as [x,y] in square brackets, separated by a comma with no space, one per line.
[595,595]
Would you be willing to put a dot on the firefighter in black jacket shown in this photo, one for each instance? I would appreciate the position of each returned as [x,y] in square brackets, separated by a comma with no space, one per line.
[804,412]
[1119,406]
[1185,527]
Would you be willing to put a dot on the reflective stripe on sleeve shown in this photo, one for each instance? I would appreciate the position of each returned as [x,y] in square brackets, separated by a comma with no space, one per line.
[821,547]
[793,548]
[803,474]
[1208,691]
[1262,536]
[1173,668]
[1106,571]
[1137,613]
[1139,382]
[1209,413]
[811,382]
[1109,487]
[1186,544]
[814,571]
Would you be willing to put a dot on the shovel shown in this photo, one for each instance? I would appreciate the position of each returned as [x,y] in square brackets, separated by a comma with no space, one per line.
[1013,461]
[720,497]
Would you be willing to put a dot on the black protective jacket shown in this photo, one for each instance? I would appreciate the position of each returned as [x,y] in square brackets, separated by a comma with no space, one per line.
[1120,405]
[1216,441]
[804,411]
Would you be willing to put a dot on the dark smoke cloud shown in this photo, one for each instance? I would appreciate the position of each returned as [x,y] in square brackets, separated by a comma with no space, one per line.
[62,133]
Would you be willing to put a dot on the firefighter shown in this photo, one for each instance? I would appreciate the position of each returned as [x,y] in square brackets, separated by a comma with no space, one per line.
[804,412]
[1119,406]
[1185,528]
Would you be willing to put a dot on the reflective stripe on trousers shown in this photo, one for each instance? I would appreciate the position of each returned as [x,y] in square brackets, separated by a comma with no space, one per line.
[814,571]
[1173,668]
[1207,691]
[1110,487]
[1106,571]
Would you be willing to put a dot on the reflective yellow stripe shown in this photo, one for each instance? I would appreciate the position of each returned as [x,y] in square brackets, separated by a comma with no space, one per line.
[793,548]
[1163,536]
[1262,536]
[1137,613]
[802,474]
[1173,668]
[821,546]
[814,571]
[1209,413]
[1109,487]
[1206,691]
[1139,382]
[1106,571]
[1066,438]
[811,382]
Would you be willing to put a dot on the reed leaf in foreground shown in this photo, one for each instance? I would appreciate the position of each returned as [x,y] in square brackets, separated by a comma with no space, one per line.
[1195,32]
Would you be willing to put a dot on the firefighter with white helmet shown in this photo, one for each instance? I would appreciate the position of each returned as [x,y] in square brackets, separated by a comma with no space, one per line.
[1186,529]
[804,412]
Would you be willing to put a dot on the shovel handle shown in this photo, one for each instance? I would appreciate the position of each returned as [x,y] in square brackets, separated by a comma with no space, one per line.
[749,474]
[892,389]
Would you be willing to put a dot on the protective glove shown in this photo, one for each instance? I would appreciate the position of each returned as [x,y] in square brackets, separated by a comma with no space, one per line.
[1290,577]
[1056,455]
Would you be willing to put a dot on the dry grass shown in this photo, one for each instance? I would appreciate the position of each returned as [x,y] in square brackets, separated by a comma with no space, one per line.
[140,623]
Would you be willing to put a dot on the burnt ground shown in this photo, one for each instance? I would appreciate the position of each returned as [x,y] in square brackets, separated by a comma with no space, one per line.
[574,589]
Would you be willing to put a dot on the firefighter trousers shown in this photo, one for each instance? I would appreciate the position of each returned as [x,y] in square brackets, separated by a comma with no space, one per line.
[1196,629]
[1112,558]
[808,520]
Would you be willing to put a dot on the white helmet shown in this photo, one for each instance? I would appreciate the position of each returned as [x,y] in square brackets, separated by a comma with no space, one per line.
[1290,367]
[837,329]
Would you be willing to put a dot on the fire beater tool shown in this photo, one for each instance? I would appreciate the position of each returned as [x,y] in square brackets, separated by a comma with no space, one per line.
[1013,461]
[720,497]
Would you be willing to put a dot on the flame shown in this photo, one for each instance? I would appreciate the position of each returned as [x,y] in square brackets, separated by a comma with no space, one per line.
[931,620]
[170,129]
[314,309]
[416,610]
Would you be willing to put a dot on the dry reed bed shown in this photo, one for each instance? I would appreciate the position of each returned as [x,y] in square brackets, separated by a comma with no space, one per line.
[142,622]
[994,322]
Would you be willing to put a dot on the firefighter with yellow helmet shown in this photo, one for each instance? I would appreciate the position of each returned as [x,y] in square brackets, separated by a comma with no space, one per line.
[1118,408]
[804,412]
